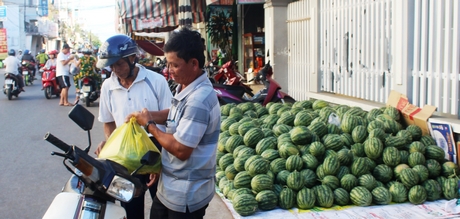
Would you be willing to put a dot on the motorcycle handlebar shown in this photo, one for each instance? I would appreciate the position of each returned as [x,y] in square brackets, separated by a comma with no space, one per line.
[57,142]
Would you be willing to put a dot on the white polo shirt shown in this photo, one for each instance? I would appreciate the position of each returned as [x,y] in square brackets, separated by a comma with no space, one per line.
[60,68]
[12,64]
[149,90]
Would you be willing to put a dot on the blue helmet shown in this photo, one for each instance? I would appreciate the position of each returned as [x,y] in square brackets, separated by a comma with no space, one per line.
[115,48]
[12,52]
[26,52]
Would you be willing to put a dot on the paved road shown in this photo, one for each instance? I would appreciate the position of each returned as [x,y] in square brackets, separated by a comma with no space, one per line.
[30,176]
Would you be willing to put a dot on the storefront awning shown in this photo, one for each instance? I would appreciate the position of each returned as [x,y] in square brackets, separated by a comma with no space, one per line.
[151,43]
[151,16]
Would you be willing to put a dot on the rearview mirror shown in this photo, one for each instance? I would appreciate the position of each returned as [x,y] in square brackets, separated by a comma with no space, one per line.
[150,158]
[82,117]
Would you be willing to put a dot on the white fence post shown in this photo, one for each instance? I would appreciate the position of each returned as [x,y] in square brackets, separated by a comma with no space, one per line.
[314,72]
[402,23]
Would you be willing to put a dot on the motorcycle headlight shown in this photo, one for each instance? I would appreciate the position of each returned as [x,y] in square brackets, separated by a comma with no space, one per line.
[121,189]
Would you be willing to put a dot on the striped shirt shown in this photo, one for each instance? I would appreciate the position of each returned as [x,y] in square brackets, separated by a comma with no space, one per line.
[194,121]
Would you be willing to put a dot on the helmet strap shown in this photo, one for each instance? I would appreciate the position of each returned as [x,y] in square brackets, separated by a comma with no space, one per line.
[131,66]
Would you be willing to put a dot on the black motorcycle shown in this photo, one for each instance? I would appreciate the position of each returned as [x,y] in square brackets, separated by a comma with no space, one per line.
[89,91]
[11,86]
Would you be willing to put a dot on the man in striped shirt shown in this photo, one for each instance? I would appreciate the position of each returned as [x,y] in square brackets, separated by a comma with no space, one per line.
[187,182]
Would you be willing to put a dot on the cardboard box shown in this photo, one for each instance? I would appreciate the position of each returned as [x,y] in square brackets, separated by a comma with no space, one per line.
[413,115]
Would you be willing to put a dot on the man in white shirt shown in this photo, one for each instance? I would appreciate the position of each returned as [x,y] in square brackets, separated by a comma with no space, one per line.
[11,66]
[63,73]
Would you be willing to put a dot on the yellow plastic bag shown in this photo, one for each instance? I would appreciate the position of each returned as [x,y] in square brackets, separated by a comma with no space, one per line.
[126,146]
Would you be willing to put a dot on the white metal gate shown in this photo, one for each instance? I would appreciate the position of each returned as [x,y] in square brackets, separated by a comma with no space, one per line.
[352,48]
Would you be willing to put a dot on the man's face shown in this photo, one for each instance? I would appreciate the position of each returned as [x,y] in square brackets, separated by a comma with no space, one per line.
[181,71]
[65,50]
[121,67]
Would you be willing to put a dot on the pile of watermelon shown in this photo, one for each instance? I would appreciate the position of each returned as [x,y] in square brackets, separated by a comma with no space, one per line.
[312,153]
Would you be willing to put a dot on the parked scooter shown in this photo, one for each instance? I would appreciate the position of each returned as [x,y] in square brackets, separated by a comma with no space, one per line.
[11,86]
[96,186]
[50,85]
[227,75]
[270,93]
[89,90]
[27,72]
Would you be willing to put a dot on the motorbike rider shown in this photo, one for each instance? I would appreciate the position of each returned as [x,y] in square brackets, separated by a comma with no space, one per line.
[12,64]
[42,57]
[30,59]
[51,62]
[87,66]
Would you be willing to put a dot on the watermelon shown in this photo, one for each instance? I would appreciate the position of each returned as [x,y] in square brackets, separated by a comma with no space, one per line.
[244,127]
[302,118]
[306,198]
[345,156]
[360,166]
[392,112]
[266,143]
[358,150]
[449,169]
[258,166]
[373,148]
[417,146]
[450,188]
[427,140]
[347,139]
[417,194]
[373,113]
[287,149]
[251,159]
[333,142]
[267,200]
[359,134]
[341,197]
[381,196]
[398,192]
[300,135]
[378,133]
[225,161]
[270,154]
[242,180]
[406,135]
[367,181]
[324,196]
[434,168]
[309,177]
[252,137]
[331,181]
[318,127]
[360,196]
[277,165]
[245,204]
[319,104]
[261,182]
[343,170]
[395,141]
[310,161]
[331,165]
[295,181]
[383,173]
[422,172]
[416,132]
[230,172]
[281,177]
[409,177]
[233,142]
[294,162]
[404,156]
[398,169]
[287,198]
[416,158]
[435,152]
[391,156]
[433,190]
[286,118]
[374,125]
[317,149]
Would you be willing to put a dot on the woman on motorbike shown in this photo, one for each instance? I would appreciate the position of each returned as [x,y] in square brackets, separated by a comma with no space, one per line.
[87,65]
[51,62]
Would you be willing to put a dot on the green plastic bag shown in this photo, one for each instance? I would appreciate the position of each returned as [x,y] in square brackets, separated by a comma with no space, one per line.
[126,146]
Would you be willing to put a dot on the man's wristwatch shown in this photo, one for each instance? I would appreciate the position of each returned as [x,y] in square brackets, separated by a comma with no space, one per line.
[146,126]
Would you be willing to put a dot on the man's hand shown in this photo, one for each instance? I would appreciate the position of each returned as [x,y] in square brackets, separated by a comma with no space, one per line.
[142,117]
[99,148]
[153,178]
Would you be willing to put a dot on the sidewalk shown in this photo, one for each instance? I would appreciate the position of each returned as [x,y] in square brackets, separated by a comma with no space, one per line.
[216,209]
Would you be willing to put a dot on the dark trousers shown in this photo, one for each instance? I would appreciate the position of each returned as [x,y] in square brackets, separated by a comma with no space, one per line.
[159,211]
[135,208]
